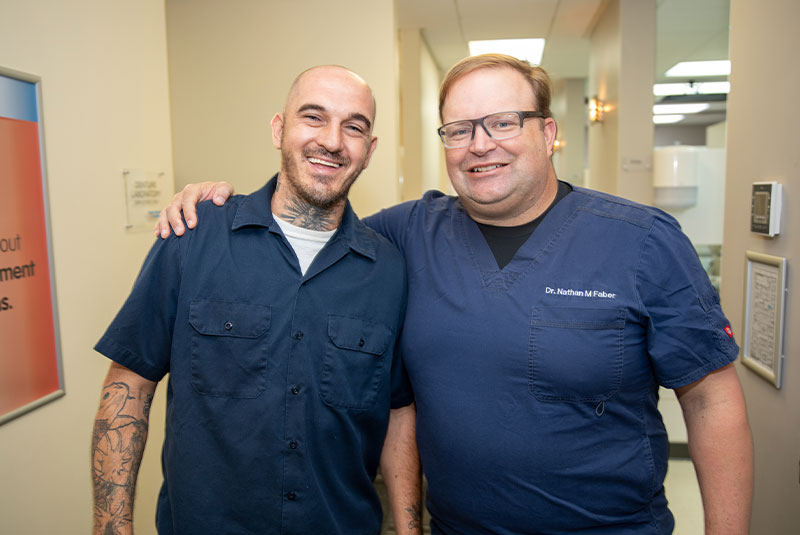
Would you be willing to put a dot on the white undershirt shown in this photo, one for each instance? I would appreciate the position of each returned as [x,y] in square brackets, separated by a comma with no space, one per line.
[306,243]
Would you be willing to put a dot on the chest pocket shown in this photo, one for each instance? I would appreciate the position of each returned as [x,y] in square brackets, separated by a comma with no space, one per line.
[575,354]
[229,347]
[354,362]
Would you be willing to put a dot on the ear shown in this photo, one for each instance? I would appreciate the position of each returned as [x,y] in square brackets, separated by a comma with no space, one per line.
[550,130]
[277,130]
[372,144]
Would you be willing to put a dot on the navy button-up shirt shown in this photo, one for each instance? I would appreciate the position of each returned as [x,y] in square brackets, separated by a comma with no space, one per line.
[279,384]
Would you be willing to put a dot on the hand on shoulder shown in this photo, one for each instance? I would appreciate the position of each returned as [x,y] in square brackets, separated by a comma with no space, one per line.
[185,201]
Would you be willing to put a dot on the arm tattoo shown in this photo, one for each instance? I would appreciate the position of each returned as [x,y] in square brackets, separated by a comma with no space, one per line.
[416,516]
[305,215]
[120,432]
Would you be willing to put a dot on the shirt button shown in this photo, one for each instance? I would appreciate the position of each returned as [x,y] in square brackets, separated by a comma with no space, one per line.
[295,390]
[361,343]
[291,496]
[293,444]
[228,325]
[299,335]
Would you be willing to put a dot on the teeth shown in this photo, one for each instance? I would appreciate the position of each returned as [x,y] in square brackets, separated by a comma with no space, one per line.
[325,162]
[484,169]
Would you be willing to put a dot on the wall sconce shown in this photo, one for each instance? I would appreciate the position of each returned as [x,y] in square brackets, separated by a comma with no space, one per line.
[597,110]
[558,145]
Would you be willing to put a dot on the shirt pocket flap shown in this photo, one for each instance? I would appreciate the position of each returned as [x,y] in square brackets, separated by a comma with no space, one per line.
[226,318]
[359,335]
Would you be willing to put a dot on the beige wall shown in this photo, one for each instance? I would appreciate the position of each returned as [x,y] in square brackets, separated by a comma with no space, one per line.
[621,67]
[231,64]
[604,66]
[434,172]
[715,135]
[569,110]
[637,73]
[765,77]
[103,67]
[411,47]
[421,153]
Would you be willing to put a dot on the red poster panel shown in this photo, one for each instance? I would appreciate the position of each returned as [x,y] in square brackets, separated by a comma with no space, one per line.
[29,357]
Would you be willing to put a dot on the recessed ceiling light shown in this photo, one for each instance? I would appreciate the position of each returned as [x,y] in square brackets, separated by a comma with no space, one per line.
[664,109]
[667,119]
[527,49]
[700,68]
[696,88]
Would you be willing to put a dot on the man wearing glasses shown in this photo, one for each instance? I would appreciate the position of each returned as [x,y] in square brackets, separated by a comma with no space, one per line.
[541,321]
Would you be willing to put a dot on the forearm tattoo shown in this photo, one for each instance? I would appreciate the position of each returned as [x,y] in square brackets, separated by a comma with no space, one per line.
[120,433]
[415,511]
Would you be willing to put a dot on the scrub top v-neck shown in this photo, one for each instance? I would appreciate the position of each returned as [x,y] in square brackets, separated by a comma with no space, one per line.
[536,385]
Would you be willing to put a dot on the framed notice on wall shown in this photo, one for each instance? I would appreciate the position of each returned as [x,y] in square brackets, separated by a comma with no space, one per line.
[763,317]
[30,363]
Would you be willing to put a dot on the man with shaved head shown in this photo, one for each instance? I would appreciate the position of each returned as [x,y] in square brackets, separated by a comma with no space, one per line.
[276,323]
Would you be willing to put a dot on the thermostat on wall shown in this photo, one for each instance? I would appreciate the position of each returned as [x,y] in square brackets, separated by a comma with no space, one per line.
[765,213]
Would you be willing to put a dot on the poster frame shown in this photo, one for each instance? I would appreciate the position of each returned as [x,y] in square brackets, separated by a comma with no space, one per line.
[60,390]
[771,373]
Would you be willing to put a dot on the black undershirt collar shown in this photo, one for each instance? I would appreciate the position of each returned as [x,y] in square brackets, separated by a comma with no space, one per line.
[506,241]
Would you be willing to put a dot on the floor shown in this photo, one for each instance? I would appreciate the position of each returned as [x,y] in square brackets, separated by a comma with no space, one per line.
[684,497]
[682,492]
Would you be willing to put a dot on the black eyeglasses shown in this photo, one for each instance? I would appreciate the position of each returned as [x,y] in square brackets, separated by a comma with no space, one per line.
[502,125]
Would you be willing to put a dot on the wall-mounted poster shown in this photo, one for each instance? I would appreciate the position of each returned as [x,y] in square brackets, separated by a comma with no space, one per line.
[30,364]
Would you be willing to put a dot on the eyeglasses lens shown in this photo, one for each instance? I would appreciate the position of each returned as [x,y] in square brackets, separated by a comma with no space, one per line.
[498,125]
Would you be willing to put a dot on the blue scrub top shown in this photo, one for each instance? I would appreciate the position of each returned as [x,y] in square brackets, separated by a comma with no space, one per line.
[279,384]
[537,385]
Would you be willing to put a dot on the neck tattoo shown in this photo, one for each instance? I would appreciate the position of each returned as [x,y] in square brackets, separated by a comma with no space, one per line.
[302,214]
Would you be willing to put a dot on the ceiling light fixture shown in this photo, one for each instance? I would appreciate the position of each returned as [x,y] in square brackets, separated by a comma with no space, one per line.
[666,109]
[667,119]
[700,68]
[692,88]
[527,49]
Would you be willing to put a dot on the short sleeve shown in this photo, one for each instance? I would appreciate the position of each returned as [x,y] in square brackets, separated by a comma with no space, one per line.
[688,334]
[140,336]
[402,393]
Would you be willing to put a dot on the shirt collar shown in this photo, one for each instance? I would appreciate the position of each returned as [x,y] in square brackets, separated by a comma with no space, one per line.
[255,211]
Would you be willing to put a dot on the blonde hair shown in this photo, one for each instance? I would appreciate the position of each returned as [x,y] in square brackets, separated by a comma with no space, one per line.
[536,77]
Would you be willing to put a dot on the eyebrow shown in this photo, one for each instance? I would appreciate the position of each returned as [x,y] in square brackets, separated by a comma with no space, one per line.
[353,116]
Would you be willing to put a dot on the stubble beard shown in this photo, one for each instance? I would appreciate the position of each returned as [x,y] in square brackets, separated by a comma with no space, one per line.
[319,198]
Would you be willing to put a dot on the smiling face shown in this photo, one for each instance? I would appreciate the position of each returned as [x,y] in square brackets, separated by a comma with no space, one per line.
[507,182]
[325,139]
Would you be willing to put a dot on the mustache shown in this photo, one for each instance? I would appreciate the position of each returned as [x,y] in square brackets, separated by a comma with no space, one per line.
[327,155]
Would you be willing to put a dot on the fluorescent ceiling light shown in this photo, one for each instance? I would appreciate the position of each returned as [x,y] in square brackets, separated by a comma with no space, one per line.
[664,109]
[697,88]
[527,49]
[667,119]
[700,68]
